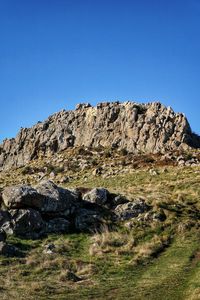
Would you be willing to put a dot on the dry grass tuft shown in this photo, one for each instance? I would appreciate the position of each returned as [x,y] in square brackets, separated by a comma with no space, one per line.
[107,242]
[150,249]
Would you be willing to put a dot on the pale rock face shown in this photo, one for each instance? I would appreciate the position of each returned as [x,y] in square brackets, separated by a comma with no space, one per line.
[148,128]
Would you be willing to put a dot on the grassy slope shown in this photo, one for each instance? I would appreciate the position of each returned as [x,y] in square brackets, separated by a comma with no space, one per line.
[171,274]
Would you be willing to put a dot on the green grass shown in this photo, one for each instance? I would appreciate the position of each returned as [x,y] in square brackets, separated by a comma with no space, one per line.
[171,274]
[168,271]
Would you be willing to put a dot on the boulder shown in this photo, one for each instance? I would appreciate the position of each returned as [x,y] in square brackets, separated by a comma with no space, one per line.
[97,195]
[88,220]
[57,225]
[22,196]
[119,199]
[57,199]
[131,209]
[47,197]
[26,222]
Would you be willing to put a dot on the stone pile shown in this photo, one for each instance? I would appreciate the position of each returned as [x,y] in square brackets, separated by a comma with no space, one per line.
[33,213]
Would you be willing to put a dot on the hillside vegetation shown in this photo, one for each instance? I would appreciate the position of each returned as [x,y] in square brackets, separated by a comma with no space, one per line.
[142,258]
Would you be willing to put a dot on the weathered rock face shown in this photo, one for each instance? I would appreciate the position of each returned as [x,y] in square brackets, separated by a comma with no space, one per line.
[47,197]
[131,209]
[57,199]
[135,127]
[47,208]
[26,222]
[22,196]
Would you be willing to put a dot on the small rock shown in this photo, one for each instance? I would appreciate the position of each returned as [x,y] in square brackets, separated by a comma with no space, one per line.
[64,179]
[119,199]
[153,172]
[159,216]
[72,277]
[52,175]
[131,209]
[97,195]
[97,171]
[49,249]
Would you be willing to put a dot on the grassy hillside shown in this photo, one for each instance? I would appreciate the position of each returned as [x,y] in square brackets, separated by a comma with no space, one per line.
[138,260]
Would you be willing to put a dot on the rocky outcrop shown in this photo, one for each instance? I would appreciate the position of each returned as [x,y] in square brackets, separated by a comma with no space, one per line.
[148,128]
[45,197]
[47,208]
[67,210]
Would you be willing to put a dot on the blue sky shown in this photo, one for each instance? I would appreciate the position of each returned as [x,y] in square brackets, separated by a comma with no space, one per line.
[57,53]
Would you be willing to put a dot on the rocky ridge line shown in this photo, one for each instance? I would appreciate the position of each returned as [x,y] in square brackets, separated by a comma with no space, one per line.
[138,128]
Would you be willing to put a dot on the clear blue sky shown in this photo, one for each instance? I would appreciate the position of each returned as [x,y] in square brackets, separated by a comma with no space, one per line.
[57,53]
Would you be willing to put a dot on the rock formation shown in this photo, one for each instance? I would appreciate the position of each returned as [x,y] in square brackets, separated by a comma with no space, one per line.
[146,128]
[35,212]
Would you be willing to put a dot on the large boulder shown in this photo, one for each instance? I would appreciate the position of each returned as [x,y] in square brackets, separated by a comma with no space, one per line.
[47,197]
[22,196]
[57,199]
[131,209]
[26,222]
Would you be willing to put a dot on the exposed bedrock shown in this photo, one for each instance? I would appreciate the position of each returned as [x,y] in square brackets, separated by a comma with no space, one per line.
[147,128]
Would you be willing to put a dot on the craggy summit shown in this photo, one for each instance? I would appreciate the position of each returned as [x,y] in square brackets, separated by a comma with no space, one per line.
[138,128]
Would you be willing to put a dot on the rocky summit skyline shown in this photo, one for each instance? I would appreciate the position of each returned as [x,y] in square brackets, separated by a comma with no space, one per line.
[138,128]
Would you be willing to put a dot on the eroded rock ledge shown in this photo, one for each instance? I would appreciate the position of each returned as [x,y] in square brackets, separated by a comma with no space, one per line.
[146,128]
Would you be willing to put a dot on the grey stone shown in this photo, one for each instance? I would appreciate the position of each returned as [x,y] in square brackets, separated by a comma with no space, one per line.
[131,209]
[26,222]
[97,195]
[57,225]
[88,220]
[57,199]
[49,249]
[47,197]
[119,199]
[72,276]
[22,196]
